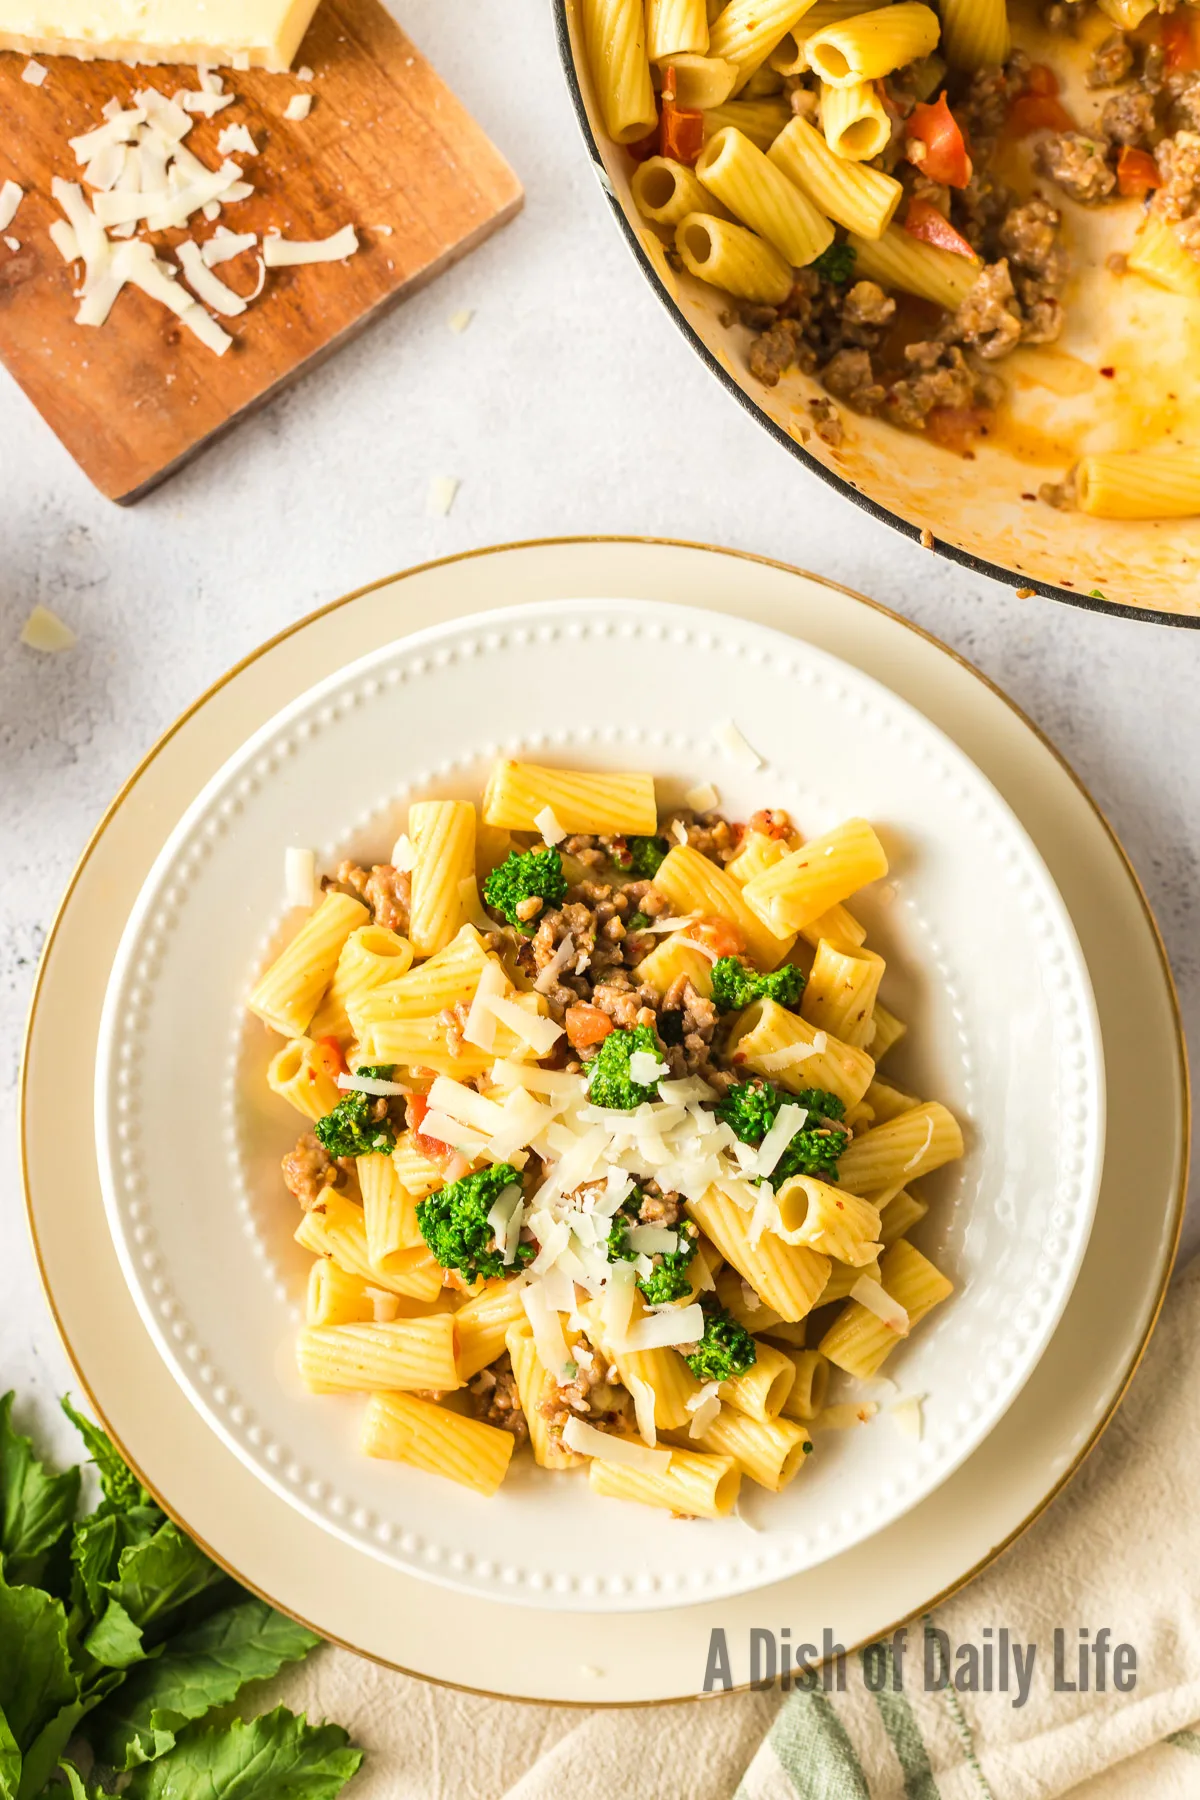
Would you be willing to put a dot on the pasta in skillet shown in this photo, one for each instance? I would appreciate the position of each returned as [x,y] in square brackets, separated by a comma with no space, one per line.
[879,188]
[597,1160]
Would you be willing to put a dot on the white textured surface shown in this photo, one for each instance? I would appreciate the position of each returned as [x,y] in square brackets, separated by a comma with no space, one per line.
[568,406]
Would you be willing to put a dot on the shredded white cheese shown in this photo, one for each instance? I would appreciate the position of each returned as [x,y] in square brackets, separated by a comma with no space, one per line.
[652,1240]
[871,1294]
[286,253]
[788,1121]
[844,1417]
[540,1034]
[375,1085]
[62,236]
[552,832]
[13,243]
[298,107]
[679,831]
[646,1069]
[34,73]
[643,1408]
[547,1331]
[585,1440]
[663,1330]
[731,740]
[916,1157]
[703,798]
[236,140]
[204,284]
[11,196]
[459,320]
[907,1416]
[404,854]
[224,244]
[465,1105]
[505,1220]
[300,876]
[385,1306]
[44,630]
[704,1405]
[205,104]
[480,1028]
[563,956]
[442,489]
[304,73]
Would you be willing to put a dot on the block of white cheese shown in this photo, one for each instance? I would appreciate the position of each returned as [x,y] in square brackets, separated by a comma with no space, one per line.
[238,34]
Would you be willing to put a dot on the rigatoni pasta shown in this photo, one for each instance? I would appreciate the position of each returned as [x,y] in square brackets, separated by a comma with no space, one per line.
[758,194]
[615,34]
[577,1177]
[861,198]
[731,257]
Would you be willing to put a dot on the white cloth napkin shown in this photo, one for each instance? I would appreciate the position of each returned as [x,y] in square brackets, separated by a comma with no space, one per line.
[1120,1548]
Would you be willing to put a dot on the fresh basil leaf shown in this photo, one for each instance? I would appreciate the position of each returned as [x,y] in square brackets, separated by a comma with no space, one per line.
[36,1678]
[157,1579]
[199,1669]
[276,1757]
[121,1487]
[35,1508]
[10,1761]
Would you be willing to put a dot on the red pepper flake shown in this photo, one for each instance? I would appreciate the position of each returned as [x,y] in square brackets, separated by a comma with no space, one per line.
[1108,374]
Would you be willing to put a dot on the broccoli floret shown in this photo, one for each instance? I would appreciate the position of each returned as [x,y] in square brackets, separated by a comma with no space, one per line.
[454,1223]
[349,1130]
[608,1078]
[376,1071]
[525,875]
[735,984]
[725,1351]
[642,856]
[836,264]
[669,1278]
[750,1108]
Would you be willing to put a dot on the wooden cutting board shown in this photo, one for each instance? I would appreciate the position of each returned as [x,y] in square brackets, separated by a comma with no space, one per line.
[386,148]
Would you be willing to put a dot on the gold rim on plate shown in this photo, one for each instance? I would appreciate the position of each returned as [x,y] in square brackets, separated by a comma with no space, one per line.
[325,611]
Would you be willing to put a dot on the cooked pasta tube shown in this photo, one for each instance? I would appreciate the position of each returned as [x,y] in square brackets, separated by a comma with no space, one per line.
[902,1212]
[443,835]
[841,991]
[788,1277]
[663,1370]
[672,957]
[614,33]
[692,1485]
[806,1396]
[402,1428]
[738,1297]
[842,1277]
[334,1297]
[858,1341]
[872,45]
[886,1102]
[1128,14]
[729,257]
[666,191]
[763,1390]
[770,1451]
[1141,484]
[838,1224]
[535,1384]
[389,1212]
[703,81]
[899,260]
[975,33]
[759,850]
[447,979]
[370,957]
[912,1144]
[299,1074]
[758,194]
[673,26]
[808,881]
[759,120]
[837,926]
[424,1044]
[887,1033]
[791,1332]
[762,84]
[855,123]
[746,31]
[517,793]
[768,1040]
[288,994]
[861,198]
[693,884]
[790,55]
[415,1172]
[482,1324]
[416,1355]
[339,1230]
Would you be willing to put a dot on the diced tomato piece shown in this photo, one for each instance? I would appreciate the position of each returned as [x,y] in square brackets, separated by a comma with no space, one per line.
[645,147]
[1137,173]
[1041,79]
[681,128]
[1037,112]
[1181,40]
[925,222]
[434,1148]
[717,935]
[956,427]
[328,1056]
[586,1025]
[935,144]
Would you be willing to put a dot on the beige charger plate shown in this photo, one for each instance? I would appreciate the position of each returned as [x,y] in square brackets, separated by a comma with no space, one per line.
[595,1659]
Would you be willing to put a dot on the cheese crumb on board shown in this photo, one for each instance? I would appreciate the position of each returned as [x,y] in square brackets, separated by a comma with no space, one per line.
[10,198]
[204,284]
[298,107]
[442,490]
[284,253]
[34,74]
[236,138]
[14,244]
[259,34]
[461,319]
[225,244]
[44,630]
[304,73]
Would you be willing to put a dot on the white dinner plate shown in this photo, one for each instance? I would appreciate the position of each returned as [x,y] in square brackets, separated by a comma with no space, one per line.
[983,963]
